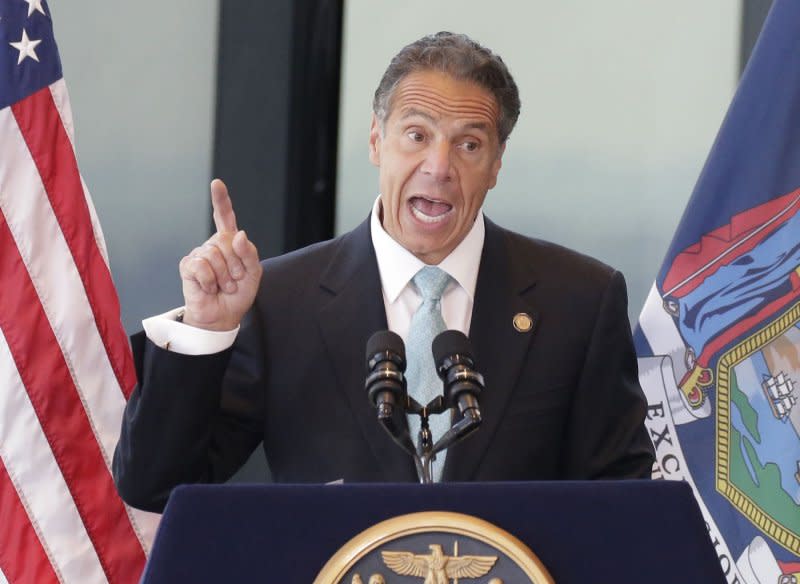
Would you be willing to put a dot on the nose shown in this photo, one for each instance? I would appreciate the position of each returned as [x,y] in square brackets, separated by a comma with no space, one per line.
[437,163]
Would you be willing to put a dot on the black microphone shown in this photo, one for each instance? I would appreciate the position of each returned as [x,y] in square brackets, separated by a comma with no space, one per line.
[452,353]
[386,362]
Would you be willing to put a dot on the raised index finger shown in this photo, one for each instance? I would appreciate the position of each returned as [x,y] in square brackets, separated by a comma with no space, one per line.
[224,217]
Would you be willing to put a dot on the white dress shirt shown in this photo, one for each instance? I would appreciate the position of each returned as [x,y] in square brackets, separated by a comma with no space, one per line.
[396,265]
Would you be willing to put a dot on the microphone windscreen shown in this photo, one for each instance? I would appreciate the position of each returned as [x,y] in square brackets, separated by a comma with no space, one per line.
[450,343]
[385,341]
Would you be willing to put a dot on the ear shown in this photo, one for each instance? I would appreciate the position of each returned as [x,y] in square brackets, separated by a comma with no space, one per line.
[497,163]
[375,141]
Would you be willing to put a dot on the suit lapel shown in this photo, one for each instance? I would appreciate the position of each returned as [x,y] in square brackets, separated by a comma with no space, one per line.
[500,349]
[351,310]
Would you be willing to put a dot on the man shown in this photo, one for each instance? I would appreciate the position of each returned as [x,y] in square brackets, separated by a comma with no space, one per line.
[549,326]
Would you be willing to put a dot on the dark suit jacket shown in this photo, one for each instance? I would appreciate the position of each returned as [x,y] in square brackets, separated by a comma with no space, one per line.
[561,402]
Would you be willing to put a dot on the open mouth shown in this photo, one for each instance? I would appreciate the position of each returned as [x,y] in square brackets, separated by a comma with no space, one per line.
[429,210]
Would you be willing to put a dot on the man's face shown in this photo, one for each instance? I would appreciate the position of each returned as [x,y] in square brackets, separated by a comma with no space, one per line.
[438,155]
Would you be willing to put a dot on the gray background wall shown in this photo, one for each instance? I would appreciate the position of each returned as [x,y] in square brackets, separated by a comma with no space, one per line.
[141,77]
[621,101]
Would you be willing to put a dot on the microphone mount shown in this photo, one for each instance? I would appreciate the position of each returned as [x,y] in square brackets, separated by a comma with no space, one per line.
[387,389]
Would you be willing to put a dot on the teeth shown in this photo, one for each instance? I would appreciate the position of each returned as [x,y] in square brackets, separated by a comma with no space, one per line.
[428,218]
[429,211]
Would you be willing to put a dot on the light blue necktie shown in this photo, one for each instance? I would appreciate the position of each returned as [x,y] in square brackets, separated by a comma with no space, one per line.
[423,382]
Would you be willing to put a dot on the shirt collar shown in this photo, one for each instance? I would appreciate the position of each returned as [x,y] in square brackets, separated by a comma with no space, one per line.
[397,265]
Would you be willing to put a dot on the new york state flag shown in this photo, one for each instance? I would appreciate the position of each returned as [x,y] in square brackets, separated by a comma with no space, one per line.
[719,336]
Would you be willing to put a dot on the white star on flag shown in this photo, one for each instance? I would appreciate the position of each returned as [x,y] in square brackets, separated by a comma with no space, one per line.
[34,5]
[26,48]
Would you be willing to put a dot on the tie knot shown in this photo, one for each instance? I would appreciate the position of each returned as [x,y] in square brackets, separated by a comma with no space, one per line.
[431,282]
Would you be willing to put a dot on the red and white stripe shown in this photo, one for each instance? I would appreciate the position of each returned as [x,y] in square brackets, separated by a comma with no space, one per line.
[65,365]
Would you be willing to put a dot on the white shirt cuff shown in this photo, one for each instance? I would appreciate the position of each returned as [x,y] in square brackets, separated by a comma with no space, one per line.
[168,333]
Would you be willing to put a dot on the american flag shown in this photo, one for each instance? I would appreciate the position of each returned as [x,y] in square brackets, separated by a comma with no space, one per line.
[65,363]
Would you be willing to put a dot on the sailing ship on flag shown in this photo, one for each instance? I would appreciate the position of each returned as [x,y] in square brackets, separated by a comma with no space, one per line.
[779,390]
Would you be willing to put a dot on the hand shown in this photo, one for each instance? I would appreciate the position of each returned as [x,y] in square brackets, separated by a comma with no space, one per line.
[220,278]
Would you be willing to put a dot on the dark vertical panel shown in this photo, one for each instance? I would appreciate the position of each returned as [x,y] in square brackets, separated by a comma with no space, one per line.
[277,117]
[754,12]
[313,135]
[252,116]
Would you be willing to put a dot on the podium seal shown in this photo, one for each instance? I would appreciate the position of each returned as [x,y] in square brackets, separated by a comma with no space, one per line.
[434,547]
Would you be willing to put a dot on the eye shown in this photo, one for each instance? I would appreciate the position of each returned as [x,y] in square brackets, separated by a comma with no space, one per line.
[416,136]
[470,145]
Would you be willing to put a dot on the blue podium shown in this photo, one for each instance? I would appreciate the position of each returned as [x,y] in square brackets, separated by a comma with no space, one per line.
[603,531]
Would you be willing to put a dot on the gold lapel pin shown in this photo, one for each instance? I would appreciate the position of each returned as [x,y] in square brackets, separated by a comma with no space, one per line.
[523,323]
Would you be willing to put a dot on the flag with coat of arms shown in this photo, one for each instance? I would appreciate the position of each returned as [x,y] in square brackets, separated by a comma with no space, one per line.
[719,336]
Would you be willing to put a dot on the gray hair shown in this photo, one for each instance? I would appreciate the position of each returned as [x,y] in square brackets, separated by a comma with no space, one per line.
[460,57]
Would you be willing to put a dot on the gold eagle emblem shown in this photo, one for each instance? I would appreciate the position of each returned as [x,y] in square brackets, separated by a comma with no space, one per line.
[436,567]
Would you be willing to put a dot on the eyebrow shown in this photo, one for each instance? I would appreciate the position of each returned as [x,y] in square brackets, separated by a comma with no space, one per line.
[477,126]
[411,112]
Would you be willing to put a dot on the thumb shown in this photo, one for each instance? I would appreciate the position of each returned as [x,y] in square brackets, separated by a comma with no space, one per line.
[247,252]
